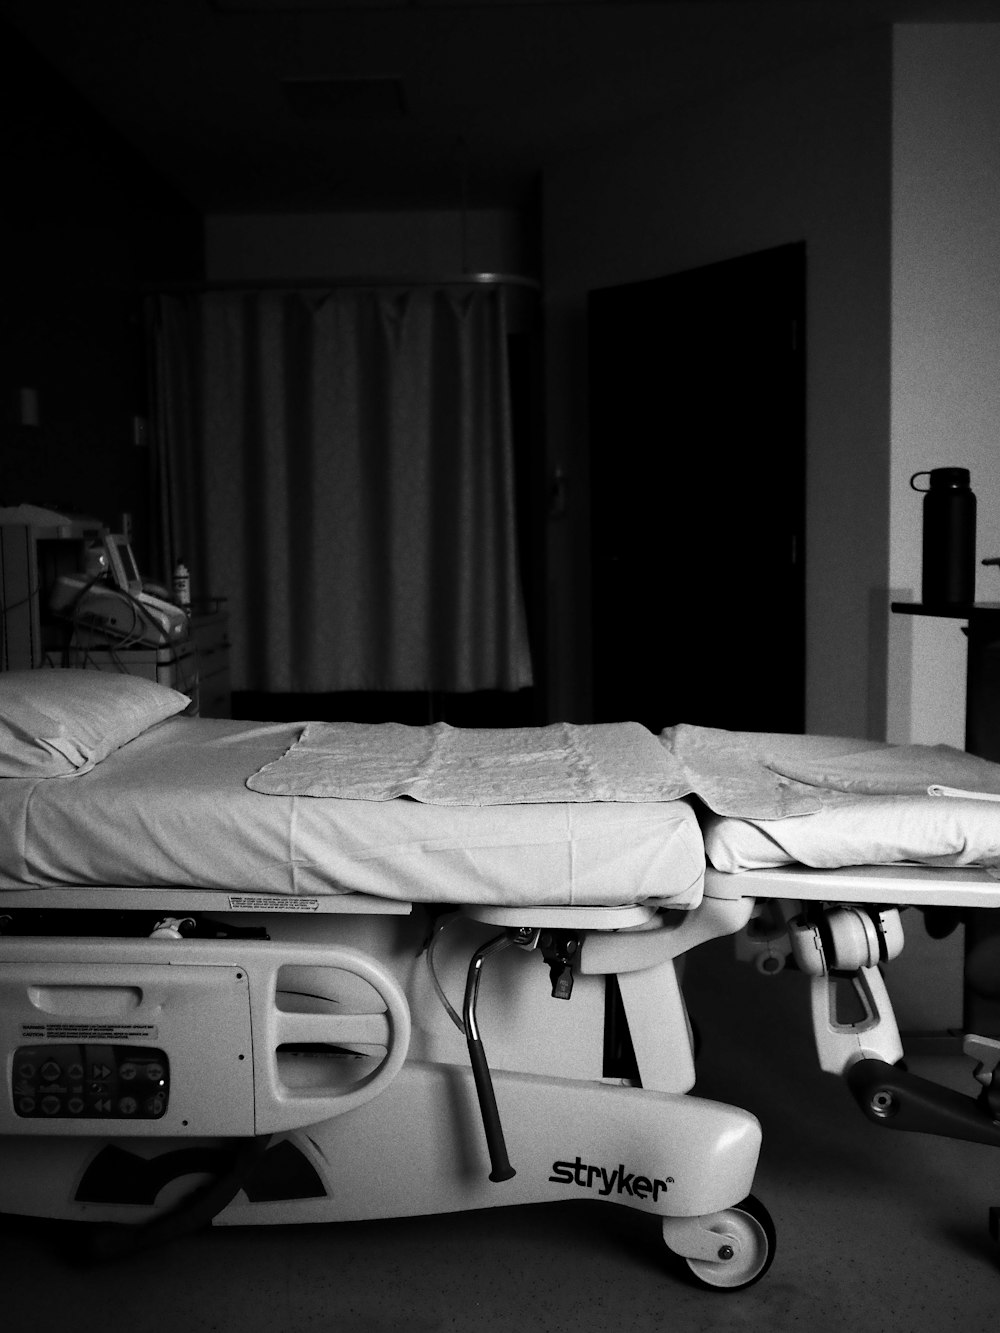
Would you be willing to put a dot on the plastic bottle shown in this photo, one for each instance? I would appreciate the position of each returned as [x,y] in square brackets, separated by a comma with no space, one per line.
[949,539]
[182,586]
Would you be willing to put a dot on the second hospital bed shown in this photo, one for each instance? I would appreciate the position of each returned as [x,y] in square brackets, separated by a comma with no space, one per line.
[277,1006]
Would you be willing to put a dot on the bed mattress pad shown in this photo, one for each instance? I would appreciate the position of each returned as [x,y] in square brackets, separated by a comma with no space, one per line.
[874,804]
[863,830]
[172,809]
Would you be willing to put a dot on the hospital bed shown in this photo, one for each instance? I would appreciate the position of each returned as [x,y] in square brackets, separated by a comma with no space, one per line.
[228,1000]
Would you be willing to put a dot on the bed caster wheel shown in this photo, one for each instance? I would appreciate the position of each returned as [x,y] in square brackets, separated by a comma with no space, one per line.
[733,1267]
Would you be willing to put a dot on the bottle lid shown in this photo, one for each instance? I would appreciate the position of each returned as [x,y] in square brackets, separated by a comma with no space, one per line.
[949,476]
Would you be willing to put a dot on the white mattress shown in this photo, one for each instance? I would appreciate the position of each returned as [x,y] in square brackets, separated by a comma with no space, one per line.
[862,830]
[172,809]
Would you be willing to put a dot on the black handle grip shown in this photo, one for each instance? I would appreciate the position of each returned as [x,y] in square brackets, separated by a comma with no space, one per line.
[495,1143]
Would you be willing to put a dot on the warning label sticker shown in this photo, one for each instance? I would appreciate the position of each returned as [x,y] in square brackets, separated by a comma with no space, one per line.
[258,902]
[101,1033]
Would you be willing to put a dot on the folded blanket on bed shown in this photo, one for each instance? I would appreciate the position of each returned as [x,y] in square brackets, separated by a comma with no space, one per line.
[746,775]
[820,772]
[443,765]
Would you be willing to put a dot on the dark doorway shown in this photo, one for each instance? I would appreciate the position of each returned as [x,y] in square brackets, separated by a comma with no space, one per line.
[697,429]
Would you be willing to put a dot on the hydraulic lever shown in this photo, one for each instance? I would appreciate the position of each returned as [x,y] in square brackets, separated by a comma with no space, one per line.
[495,1142]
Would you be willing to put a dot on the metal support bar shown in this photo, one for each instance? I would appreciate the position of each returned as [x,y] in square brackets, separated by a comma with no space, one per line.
[897,1099]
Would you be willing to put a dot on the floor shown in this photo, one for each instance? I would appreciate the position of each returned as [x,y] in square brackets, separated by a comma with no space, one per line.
[881,1231]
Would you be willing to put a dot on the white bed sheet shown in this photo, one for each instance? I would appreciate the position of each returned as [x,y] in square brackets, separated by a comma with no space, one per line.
[171,809]
[862,830]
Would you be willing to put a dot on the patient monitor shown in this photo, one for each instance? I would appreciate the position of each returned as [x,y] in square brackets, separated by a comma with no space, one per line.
[121,563]
[120,609]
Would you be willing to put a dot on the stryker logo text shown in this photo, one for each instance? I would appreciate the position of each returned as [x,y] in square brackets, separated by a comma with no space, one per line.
[616,1181]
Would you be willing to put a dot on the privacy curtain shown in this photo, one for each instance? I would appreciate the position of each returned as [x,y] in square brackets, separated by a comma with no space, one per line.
[339,466]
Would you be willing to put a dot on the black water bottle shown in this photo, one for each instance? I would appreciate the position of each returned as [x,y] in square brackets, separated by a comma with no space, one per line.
[949,544]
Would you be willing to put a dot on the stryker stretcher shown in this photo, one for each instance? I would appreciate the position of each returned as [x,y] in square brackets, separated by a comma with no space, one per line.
[245,1000]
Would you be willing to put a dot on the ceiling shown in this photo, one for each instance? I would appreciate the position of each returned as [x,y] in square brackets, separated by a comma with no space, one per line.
[319,105]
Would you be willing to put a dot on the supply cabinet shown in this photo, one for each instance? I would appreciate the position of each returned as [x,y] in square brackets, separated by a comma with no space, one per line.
[176,665]
[210,635]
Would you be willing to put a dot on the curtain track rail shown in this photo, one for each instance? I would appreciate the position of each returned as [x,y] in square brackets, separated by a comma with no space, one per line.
[320,284]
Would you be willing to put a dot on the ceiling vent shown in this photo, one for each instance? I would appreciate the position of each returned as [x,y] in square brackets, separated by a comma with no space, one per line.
[342,97]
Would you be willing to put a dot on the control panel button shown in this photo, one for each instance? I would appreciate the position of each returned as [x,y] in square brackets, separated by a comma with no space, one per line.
[89,1081]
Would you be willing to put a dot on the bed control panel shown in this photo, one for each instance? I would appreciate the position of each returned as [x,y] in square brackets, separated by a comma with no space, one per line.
[90,1082]
[153,1037]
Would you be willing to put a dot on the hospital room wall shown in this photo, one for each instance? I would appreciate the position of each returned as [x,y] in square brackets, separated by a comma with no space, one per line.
[86,222]
[802,156]
[315,247]
[946,339]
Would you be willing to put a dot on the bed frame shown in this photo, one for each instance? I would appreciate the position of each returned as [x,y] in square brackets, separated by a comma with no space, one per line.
[180,1057]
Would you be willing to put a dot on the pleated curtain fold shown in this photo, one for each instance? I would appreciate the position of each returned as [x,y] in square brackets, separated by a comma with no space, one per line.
[339,465]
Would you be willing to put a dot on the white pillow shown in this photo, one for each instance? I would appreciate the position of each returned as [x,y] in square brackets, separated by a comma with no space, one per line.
[55,722]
